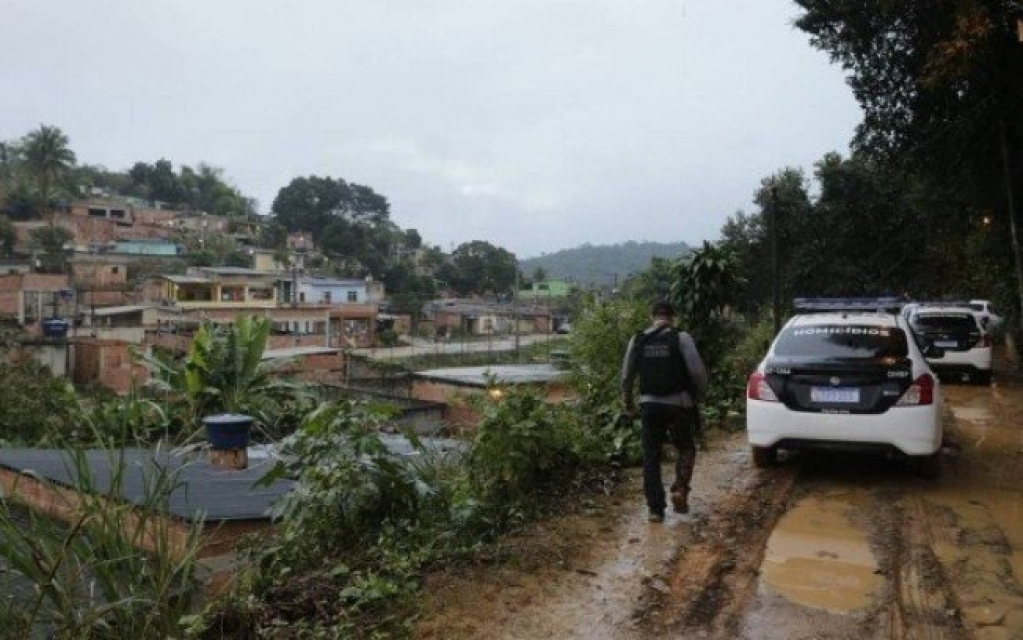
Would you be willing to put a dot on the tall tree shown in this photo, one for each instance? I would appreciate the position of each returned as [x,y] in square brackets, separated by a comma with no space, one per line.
[48,158]
[348,221]
[480,267]
[941,86]
[312,203]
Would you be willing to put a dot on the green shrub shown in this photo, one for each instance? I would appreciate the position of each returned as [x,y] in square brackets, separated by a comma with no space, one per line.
[524,446]
[387,338]
[352,536]
[35,407]
[600,337]
[349,485]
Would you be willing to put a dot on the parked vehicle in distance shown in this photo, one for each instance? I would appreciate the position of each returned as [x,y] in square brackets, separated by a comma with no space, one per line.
[985,312]
[965,345]
[846,373]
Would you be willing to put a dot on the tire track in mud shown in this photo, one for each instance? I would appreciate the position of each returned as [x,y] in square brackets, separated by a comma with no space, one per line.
[921,603]
[712,576]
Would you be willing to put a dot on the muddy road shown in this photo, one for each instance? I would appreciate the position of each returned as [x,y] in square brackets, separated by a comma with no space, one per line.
[825,546]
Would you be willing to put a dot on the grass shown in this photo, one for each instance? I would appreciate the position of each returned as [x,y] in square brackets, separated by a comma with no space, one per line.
[112,570]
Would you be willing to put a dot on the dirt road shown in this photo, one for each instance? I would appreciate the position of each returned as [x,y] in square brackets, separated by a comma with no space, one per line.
[826,546]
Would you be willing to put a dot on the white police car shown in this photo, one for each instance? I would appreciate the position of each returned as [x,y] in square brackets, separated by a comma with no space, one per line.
[965,347]
[846,373]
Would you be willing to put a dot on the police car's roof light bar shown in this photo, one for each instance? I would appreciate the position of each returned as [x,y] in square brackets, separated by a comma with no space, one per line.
[886,304]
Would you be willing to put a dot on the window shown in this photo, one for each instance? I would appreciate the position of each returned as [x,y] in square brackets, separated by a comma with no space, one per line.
[113,270]
[326,297]
[97,213]
[353,296]
[963,322]
[117,214]
[842,341]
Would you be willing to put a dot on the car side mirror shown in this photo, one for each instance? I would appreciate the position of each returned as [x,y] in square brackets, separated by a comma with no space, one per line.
[934,352]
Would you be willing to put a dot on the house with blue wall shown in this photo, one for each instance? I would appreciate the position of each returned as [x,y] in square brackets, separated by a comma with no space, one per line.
[330,291]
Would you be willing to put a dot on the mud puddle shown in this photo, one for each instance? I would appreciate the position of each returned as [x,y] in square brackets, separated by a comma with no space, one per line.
[818,557]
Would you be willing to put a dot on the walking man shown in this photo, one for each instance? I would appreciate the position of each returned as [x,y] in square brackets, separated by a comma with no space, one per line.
[672,378]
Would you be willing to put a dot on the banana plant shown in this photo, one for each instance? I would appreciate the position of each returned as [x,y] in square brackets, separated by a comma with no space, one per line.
[224,372]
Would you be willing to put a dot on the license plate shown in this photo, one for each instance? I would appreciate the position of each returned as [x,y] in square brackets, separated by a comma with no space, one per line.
[834,394]
[946,344]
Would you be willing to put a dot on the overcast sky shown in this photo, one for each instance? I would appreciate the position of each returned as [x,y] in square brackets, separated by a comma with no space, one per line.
[535,125]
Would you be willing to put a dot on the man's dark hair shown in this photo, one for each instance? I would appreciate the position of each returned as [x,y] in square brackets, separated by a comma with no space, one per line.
[662,308]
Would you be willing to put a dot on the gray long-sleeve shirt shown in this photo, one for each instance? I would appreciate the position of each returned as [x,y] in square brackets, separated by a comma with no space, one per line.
[697,372]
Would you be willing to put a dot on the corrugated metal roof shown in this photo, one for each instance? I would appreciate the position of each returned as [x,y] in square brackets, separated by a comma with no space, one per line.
[295,352]
[505,374]
[205,491]
[233,271]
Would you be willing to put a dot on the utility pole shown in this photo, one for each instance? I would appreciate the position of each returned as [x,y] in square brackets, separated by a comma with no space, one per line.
[515,314]
[775,285]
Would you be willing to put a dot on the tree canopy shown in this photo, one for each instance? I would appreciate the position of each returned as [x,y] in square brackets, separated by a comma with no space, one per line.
[480,267]
[200,189]
[941,86]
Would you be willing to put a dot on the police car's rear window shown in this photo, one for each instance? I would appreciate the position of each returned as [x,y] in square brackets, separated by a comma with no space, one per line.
[945,322]
[842,341]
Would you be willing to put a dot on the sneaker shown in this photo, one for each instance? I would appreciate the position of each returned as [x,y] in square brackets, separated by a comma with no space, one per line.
[655,516]
[680,500]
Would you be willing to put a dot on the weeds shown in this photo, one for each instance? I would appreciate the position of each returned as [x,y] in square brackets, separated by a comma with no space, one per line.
[115,570]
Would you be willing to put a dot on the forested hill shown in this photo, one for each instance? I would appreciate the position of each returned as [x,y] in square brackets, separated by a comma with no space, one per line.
[591,264]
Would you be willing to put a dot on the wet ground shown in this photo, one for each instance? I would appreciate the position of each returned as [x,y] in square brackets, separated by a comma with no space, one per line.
[825,546]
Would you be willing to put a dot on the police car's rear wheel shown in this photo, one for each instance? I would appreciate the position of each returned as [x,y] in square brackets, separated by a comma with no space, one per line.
[929,466]
[764,457]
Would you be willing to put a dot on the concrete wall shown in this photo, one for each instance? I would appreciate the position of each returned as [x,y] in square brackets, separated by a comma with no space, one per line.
[459,412]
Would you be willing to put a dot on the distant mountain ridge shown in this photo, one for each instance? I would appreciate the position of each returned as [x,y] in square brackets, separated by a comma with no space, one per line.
[599,264]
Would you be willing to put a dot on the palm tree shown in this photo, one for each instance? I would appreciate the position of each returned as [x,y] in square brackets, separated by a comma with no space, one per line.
[47,159]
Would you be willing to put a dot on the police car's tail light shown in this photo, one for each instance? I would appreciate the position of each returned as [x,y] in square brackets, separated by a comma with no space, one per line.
[919,393]
[758,389]
[985,340]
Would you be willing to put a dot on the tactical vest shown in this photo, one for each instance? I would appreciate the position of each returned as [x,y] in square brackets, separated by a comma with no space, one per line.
[659,362]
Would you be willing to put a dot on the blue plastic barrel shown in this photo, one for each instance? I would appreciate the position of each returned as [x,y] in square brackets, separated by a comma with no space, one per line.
[227,431]
[55,327]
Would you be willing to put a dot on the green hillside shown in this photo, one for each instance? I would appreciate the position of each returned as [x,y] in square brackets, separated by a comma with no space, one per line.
[598,265]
